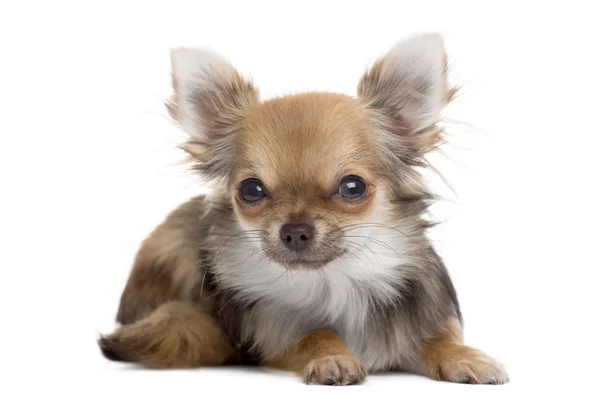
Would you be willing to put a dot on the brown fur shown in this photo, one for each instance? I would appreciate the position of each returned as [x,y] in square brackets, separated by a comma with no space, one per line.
[446,359]
[339,129]
[322,358]
[146,289]
[176,335]
[165,267]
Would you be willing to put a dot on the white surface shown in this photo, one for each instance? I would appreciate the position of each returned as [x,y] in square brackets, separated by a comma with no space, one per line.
[86,144]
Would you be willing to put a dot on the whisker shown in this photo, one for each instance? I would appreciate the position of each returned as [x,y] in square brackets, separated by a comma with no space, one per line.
[230,238]
[278,278]
[202,284]
[382,243]
[254,252]
[356,256]
[292,275]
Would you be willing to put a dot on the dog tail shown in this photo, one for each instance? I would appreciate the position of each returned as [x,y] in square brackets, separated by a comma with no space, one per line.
[175,335]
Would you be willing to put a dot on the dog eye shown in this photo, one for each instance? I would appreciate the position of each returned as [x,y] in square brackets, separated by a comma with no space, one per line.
[352,188]
[251,190]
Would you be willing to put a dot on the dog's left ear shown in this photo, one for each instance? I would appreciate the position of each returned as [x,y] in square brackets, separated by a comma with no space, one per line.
[407,89]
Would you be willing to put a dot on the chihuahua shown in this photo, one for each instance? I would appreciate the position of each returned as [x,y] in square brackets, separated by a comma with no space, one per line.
[311,254]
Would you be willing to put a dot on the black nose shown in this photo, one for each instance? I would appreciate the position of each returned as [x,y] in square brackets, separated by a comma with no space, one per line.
[297,236]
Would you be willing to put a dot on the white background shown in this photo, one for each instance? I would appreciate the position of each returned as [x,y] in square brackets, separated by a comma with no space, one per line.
[86,149]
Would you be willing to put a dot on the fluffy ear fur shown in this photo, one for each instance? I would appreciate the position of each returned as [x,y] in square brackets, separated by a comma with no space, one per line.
[209,100]
[406,90]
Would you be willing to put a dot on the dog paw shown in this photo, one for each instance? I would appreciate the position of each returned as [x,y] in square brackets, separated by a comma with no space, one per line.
[335,370]
[470,366]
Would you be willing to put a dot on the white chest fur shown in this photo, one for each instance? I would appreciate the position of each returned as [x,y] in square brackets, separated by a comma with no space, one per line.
[336,297]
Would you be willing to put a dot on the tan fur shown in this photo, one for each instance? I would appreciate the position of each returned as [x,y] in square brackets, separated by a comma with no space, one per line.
[321,357]
[301,186]
[446,359]
[165,267]
[177,334]
[335,124]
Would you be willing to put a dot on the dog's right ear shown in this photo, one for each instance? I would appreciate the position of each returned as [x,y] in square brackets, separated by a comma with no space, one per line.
[209,100]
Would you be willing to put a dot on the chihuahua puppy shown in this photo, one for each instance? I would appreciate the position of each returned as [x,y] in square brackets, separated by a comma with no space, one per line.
[311,255]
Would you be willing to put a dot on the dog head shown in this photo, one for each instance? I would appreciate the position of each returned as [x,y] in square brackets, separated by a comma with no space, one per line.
[315,176]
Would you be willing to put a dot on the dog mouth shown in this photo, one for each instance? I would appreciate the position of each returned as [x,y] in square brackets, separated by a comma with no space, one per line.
[305,262]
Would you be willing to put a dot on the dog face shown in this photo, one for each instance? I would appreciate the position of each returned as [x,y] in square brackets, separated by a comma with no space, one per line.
[316,176]
[306,168]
